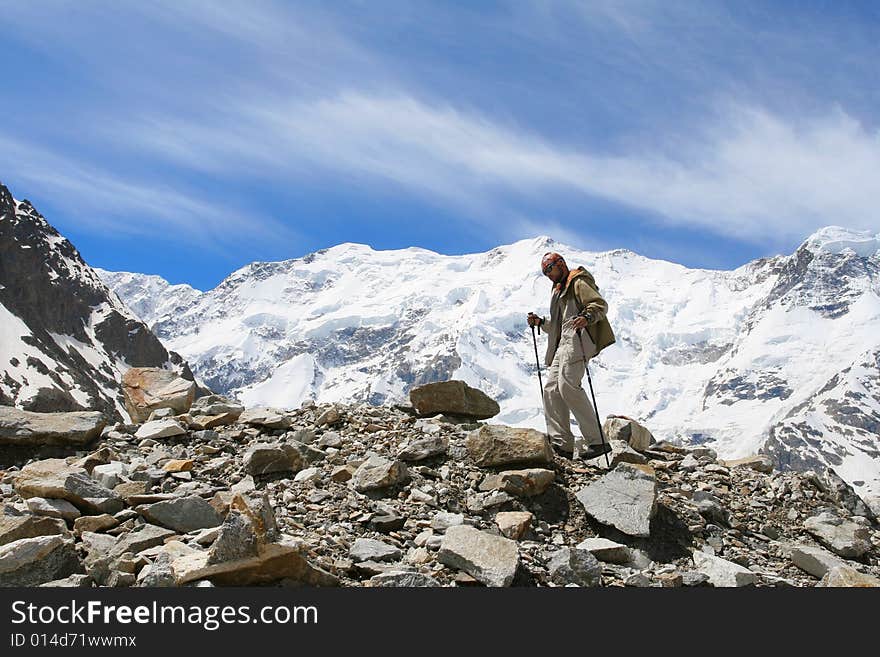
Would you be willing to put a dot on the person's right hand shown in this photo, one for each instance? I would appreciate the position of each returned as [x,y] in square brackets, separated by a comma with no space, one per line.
[534,320]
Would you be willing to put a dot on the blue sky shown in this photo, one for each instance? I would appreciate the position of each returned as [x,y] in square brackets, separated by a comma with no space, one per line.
[187,139]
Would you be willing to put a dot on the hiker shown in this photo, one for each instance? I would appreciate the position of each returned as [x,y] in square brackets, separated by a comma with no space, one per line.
[577,330]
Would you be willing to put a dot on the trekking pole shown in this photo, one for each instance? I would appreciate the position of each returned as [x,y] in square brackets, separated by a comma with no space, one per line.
[538,362]
[593,395]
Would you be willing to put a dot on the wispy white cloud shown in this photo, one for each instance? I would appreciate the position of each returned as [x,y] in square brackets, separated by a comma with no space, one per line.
[121,206]
[747,173]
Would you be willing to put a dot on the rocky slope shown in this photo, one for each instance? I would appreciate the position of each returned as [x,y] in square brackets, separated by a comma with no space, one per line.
[65,338]
[777,356]
[361,495]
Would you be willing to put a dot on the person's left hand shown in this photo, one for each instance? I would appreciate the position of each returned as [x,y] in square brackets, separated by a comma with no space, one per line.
[579,322]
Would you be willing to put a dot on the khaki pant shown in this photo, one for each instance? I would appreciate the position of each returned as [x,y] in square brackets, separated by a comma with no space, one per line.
[564,396]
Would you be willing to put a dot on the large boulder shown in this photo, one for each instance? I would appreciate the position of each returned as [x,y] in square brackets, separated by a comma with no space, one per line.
[269,458]
[494,445]
[15,527]
[843,537]
[56,479]
[36,429]
[625,498]
[149,388]
[454,398]
[489,558]
[33,561]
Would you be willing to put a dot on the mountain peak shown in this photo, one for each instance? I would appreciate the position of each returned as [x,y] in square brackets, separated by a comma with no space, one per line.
[836,239]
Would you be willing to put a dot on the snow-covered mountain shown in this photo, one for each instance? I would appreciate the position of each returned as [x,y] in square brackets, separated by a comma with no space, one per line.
[65,338]
[779,355]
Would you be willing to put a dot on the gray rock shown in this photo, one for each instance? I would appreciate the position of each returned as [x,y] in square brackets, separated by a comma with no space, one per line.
[157,429]
[454,397]
[710,507]
[269,418]
[605,550]
[330,439]
[723,573]
[55,479]
[844,576]
[843,537]
[814,560]
[480,502]
[215,405]
[33,561]
[329,417]
[110,475]
[266,459]
[22,428]
[140,538]
[15,527]
[694,578]
[377,473]
[759,463]
[367,549]
[183,514]
[522,483]
[489,558]
[159,574]
[629,431]
[424,448]
[575,566]
[495,445]
[397,578]
[625,498]
[307,453]
[237,539]
[621,452]
[53,508]
[443,521]
[309,474]
[639,580]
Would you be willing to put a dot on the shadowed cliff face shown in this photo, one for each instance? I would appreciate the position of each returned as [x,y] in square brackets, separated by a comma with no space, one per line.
[45,283]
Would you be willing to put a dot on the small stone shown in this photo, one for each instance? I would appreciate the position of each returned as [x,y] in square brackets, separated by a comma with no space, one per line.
[342,473]
[514,524]
[366,549]
[759,463]
[178,465]
[443,521]
[160,429]
[522,483]
[575,566]
[424,448]
[723,573]
[309,474]
[94,523]
[329,417]
[398,578]
[53,508]
[606,550]
[629,431]
[491,559]
[183,514]
[377,473]
[272,458]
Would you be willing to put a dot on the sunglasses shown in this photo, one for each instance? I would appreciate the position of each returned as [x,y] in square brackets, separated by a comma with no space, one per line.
[550,267]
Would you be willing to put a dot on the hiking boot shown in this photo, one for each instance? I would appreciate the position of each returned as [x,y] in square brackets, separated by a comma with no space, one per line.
[593,451]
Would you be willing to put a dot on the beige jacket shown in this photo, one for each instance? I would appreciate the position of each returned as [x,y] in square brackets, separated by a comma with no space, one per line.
[576,294]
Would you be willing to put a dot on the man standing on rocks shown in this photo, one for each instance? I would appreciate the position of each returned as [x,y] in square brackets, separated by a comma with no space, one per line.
[575,304]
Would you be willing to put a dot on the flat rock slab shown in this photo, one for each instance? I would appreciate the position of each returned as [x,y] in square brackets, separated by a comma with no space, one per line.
[522,483]
[723,573]
[498,445]
[13,528]
[368,549]
[34,561]
[26,428]
[157,429]
[625,498]
[271,458]
[147,389]
[843,537]
[488,558]
[424,448]
[399,578]
[606,550]
[759,463]
[455,397]
[55,479]
[284,560]
[269,418]
[814,560]
[53,508]
[182,514]
[847,577]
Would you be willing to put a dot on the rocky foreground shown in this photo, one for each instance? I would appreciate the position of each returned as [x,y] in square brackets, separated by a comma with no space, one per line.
[357,495]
